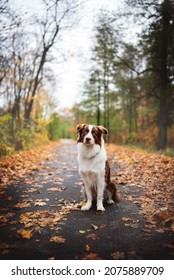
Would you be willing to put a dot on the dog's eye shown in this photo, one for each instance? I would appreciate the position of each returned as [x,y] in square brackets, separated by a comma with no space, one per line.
[96,132]
[84,132]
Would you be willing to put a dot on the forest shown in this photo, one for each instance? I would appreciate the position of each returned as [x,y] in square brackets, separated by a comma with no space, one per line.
[127,87]
[130,84]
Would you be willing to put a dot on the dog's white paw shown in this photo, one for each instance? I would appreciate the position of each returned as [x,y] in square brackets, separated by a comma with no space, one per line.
[85,207]
[100,208]
[110,201]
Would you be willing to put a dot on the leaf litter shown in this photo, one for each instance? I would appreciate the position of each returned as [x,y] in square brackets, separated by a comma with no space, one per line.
[153,173]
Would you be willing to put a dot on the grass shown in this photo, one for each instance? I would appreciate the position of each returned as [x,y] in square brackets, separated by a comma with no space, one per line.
[167,152]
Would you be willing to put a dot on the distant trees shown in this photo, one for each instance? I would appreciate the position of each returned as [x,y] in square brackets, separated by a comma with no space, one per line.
[111,93]
[98,89]
[26,53]
[130,88]
[132,83]
[157,42]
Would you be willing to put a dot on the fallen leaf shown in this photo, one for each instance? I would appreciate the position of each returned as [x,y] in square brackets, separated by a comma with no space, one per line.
[4,245]
[5,218]
[160,216]
[163,209]
[131,254]
[169,245]
[5,252]
[82,231]
[92,256]
[33,190]
[64,213]
[41,218]
[125,219]
[103,226]
[22,205]
[26,234]
[39,203]
[147,230]
[132,225]
[94,226]
[57,239]
[130,220]
[118,255]
[87,248]
[54,189]
[93,236]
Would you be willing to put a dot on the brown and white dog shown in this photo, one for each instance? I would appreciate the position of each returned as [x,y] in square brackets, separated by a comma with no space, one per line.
[94,167]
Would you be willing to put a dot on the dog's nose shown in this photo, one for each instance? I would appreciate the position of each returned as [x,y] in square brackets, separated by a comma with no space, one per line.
[88,139]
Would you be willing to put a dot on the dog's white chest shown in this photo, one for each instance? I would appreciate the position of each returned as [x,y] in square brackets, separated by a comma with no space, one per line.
[91,159]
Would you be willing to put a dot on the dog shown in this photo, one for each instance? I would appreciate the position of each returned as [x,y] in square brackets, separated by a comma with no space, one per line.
[94,167]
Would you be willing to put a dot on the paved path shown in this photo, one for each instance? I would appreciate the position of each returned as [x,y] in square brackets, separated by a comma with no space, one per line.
[40,219]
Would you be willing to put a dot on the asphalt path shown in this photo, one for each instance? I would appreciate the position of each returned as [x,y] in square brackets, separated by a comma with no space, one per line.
[41,219]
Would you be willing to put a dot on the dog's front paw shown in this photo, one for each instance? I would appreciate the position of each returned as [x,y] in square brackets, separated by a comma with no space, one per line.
[86,207]
[100,208]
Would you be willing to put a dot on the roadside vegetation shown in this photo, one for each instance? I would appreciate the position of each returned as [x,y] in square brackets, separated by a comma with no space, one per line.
[130,85]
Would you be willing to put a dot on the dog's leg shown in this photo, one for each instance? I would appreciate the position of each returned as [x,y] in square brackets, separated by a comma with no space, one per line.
[88,204]
[100,192]
[88,193]
[109,197]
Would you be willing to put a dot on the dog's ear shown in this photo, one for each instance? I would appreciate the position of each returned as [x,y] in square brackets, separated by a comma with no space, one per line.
[103,129]
[79,127]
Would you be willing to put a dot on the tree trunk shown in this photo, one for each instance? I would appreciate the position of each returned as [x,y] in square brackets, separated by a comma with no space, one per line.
[164,94]
[35,86]
[163,124]
[98,106]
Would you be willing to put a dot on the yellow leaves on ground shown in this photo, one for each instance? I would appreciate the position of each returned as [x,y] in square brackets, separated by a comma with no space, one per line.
[5,218]
[40,218]
[160,216]
[92,256]
[56,189]
[140,168]
[26,234]
[21,164]
[130,222]
[152,172]
[39,202]
[87,248]
[22,205]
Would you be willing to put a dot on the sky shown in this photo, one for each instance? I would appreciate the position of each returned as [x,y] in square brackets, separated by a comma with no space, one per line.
[77,43]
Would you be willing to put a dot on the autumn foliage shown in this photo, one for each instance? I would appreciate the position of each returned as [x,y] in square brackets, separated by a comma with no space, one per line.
[154,174]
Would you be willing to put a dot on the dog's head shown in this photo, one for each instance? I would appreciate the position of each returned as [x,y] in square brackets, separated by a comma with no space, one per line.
[90,134]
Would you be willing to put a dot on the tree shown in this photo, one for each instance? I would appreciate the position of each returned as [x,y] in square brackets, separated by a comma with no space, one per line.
[112,85]
[157,41]
[98,89]
[3,60]
[53,127]
[128,84]
[25,57]
[55,17]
